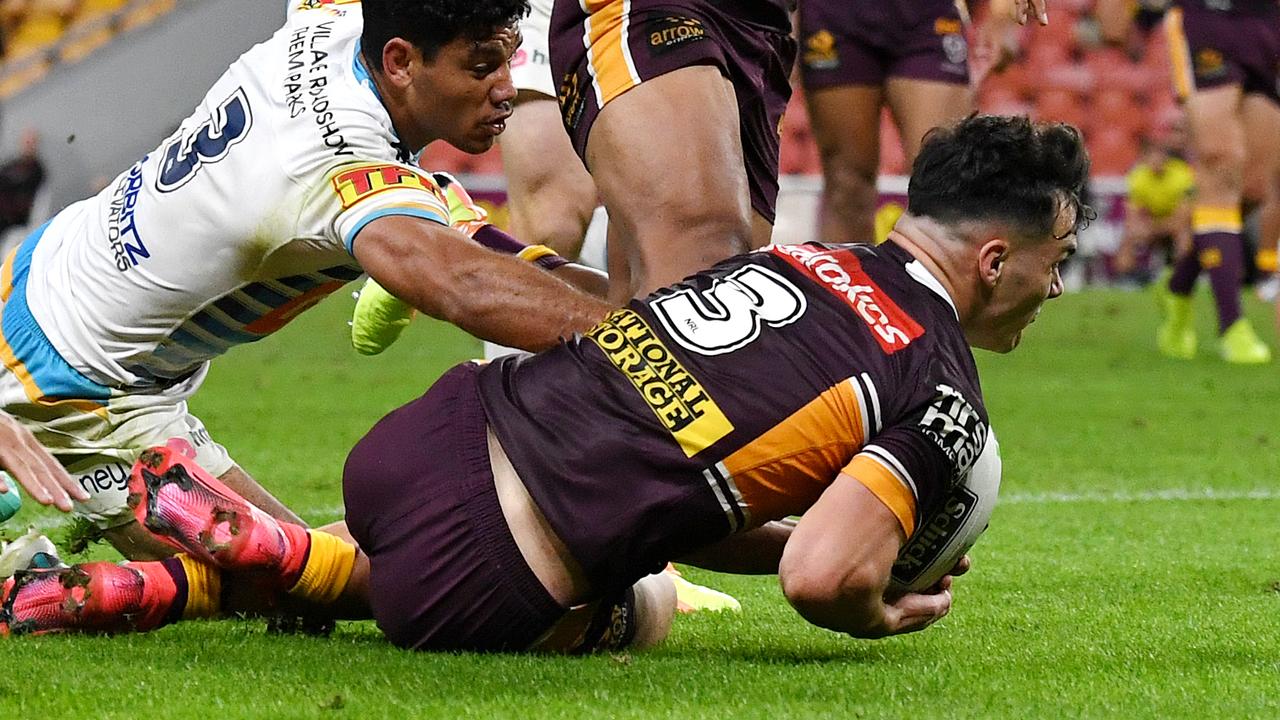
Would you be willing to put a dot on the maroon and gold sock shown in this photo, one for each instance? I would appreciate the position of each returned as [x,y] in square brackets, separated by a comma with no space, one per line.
[1185,271]
[319,566]
[1220,250]
[106,597]
[177,588]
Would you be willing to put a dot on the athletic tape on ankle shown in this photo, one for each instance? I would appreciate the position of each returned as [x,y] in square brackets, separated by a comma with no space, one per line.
[328,569]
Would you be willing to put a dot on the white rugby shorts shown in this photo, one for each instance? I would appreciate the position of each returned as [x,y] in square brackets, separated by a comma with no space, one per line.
[98,446]
[531,65]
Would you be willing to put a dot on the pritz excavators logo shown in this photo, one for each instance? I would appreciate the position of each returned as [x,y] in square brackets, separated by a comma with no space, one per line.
[122,225]
[840,272]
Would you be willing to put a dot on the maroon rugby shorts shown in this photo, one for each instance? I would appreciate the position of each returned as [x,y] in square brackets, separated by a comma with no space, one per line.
[870,41]
[445,572]
[598,55]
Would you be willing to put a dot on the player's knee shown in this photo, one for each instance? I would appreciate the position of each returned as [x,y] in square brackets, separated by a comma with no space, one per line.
[638,618]
[851,183]
[1258,187]
[690,240]
[557,219]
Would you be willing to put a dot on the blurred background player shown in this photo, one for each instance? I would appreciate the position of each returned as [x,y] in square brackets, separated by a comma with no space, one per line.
[484,526]
[1226,66]
[550,195]
[21,181]
[551,198]
[856,58]
[674,107]
[1157,209]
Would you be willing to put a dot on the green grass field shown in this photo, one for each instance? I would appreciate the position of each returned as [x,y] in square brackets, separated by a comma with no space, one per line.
[1131,570]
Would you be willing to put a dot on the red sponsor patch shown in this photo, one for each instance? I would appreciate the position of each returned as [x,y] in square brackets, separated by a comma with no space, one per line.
[368,179]
[840,272]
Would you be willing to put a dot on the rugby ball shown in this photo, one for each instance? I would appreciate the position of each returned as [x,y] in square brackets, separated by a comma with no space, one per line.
[10,500]
[944,537]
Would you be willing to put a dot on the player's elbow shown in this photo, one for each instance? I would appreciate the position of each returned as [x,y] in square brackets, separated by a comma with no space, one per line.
[845,599]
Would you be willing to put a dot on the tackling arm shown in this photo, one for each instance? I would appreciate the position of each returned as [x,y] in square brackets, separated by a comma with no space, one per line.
[755,552]
[497,297]
[835,568]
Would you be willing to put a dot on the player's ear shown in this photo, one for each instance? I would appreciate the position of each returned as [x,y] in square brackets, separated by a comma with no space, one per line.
[398,56]
[991,259]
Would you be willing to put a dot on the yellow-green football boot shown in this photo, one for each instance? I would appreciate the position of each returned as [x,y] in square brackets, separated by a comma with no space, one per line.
[378,320]
[1176,336]
[1241,345]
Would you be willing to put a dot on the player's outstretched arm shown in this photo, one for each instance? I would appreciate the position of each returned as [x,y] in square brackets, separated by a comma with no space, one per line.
[835,568]
[469,217]
[34,468]
[585,278]
[755,552]
[496,297]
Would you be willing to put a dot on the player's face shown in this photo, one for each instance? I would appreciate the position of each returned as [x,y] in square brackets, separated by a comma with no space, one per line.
[1029,275]
[465,93]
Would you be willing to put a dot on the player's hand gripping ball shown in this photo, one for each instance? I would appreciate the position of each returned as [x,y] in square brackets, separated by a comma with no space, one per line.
[942,539]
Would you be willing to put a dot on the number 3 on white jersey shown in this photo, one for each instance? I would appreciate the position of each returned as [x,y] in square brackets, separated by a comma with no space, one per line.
[730,313]
[182,157]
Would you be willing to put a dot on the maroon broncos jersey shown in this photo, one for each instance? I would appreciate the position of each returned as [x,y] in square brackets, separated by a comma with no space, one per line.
[737,397]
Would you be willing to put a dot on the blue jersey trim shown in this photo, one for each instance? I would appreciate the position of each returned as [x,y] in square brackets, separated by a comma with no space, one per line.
[423,213]
[264,295]
[231,336]
[362,73]
[298,283]
[53,376]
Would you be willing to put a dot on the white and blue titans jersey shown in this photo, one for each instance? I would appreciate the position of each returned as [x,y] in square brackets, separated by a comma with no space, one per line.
[240,220]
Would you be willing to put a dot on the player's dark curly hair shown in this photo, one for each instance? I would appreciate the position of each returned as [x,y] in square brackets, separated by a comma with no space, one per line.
[430,24]
[1009,169]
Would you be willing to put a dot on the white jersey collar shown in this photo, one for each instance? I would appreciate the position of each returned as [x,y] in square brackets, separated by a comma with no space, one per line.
[921,274]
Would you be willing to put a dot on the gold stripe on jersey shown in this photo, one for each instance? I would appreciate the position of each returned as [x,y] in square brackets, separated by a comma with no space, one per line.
[781,472]
[885,484]
[608,56]
[6,275]
[19,369]
[1216,218]
[681,403]
[33,391]
[1184,79]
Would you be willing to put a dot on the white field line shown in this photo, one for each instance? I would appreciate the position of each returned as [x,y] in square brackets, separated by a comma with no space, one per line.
[1123,496]
[1206,494]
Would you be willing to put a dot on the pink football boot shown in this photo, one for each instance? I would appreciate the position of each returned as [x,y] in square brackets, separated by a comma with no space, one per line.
[98,597]
[186,507]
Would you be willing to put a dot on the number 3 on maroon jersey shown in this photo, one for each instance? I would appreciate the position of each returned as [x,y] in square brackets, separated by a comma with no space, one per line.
[730,313]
